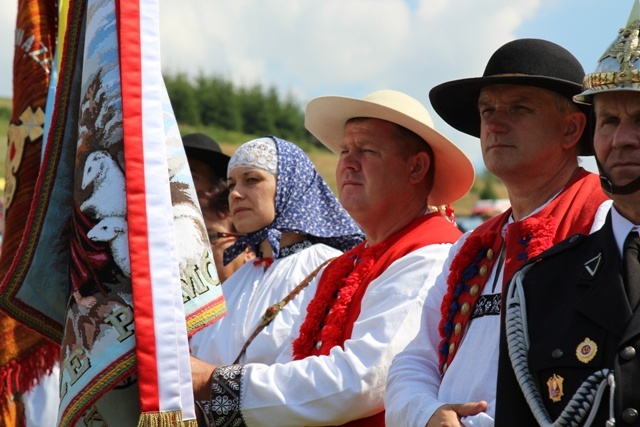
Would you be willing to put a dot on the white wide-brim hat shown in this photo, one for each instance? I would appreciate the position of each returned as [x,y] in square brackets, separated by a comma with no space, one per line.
[327,116]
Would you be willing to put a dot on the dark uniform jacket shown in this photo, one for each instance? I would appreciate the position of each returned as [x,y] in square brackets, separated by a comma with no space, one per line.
[579,322]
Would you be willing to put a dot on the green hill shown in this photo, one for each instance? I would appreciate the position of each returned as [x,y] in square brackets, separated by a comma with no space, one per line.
[323,159]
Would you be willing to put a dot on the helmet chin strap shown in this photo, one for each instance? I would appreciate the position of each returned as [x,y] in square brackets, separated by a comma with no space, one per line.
[611,188]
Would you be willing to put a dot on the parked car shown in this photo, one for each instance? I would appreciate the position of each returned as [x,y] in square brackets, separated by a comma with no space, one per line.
[488,208]
[468,223]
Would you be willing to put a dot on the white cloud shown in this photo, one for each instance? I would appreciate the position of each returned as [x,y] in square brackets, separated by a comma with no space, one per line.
[295,45]
[354,46]
[345,47]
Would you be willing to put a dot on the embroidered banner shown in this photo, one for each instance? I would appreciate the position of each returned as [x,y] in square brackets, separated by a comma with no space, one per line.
[117,251]
[25,355]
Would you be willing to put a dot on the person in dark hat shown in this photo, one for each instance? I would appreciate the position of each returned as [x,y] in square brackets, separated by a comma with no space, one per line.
[208,165]
[531,134]
[573,320]
[207,162]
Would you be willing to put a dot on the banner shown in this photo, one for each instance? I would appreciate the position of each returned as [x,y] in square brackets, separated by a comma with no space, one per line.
[116,264]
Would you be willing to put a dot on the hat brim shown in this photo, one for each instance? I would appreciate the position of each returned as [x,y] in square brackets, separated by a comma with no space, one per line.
[218,161]
[327,116]
[457,101]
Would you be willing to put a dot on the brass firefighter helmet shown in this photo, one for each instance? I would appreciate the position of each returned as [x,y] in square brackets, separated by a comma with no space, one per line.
[618,68]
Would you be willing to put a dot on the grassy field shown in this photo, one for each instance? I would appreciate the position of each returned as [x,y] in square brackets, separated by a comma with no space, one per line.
[324,160]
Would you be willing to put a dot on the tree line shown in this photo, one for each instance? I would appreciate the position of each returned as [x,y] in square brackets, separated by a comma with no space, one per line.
[254,110]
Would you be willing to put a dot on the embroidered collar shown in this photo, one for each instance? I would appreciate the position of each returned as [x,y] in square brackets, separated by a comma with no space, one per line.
[291,249]
[284,252]
[294,249]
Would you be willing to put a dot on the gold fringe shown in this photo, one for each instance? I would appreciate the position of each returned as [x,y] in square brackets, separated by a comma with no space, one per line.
[165,419]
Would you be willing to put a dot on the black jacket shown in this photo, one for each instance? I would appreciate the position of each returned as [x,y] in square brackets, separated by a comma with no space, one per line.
[575,293]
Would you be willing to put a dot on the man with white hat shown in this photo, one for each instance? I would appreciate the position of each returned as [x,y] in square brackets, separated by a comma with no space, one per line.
[393,166]
[573,320]
[530,134]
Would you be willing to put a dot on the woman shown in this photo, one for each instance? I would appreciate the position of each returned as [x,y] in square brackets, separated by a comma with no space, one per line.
[222,233]
[290,218]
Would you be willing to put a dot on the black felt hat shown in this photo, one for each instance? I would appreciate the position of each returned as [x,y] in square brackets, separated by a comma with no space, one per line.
[204,148]
[526,62]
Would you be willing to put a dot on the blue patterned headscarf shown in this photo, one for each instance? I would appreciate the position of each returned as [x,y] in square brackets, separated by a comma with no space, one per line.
[304,205]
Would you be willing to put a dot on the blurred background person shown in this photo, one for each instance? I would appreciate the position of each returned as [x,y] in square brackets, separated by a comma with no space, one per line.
[208,165]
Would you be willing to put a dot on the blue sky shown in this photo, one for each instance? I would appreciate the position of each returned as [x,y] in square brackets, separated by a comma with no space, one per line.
[310,48]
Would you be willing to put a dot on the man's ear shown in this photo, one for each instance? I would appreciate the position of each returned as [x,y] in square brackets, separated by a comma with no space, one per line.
[419,164]
[575,125]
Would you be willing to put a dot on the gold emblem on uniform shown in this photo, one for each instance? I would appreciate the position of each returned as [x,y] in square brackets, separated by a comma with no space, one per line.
[555,388]
[586,351]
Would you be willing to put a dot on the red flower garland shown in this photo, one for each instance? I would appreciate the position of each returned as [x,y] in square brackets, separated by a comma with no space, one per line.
[326,314]
[543,231]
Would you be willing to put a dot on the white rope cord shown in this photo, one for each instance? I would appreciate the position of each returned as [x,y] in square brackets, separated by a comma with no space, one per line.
[612,391]
[584,404]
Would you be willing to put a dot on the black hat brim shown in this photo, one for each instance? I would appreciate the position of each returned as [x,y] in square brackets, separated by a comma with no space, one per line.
[457,101]
[207,150]
[218,161]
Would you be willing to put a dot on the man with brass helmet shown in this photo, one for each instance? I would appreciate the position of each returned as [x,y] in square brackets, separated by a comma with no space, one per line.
[572,318]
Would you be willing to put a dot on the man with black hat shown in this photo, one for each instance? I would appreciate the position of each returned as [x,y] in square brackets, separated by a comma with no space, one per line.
[530,134]
[572,318]
[208,166]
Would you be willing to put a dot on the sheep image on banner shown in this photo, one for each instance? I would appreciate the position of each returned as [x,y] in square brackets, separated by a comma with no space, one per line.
[116,266]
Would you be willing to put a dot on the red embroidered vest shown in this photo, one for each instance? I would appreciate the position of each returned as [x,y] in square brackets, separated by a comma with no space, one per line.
[423,231]
[571,212]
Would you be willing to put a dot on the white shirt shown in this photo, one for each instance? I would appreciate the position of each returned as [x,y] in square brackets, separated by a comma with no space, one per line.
[248,293]
[415,389]
[621,228]
[349,383]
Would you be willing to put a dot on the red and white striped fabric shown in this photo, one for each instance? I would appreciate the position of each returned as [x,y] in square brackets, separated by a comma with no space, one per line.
[164,372]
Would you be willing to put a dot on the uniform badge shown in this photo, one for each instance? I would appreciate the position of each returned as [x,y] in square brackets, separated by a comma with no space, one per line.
[555,388]
[586,351]
[593,264]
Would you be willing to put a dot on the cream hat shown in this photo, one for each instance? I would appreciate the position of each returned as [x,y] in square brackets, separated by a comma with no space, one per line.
[326,117]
